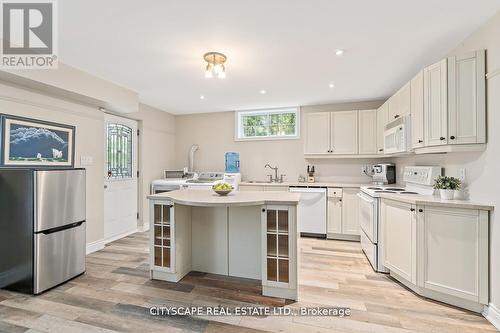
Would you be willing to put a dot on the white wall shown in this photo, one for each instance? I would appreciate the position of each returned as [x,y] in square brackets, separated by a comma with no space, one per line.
[156,144]
[214,132]
[483,169]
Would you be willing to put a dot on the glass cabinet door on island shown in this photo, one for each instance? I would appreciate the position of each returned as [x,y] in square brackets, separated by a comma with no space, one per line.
[277,247]
[163,235]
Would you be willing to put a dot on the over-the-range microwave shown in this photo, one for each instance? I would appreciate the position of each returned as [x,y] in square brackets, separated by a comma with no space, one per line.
[397,136]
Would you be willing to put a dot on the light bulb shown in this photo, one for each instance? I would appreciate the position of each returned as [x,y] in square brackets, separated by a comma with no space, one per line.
[222,75]
[208,74]
[218,69]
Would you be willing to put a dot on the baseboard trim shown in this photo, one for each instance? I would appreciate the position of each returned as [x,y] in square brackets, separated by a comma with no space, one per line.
[492,314]
[100,244]
[143,228]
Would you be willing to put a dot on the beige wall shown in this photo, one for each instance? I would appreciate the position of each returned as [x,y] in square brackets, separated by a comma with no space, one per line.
[156,151]
[482,168]
[89,141]
[214,132]
[156,144]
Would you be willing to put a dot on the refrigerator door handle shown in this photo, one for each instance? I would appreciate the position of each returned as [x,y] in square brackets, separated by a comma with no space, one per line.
[65,227]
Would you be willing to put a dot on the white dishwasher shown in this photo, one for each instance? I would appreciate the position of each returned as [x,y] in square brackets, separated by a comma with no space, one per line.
[311,211]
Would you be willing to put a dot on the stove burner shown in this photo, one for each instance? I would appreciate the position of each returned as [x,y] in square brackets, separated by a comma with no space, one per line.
[394,189]
[374,188]
[385,191]
[408,192]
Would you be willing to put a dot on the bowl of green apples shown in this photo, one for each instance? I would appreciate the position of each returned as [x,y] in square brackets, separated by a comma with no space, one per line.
[222,188]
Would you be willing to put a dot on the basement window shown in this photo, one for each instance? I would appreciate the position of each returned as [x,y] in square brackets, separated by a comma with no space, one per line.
[270,124]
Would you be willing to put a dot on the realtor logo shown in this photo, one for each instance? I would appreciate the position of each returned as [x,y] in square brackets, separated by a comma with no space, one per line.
[29,38]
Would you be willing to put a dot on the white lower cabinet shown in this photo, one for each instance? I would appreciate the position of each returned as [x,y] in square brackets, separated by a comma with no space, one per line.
[438,252]
[343,214]
[399,238]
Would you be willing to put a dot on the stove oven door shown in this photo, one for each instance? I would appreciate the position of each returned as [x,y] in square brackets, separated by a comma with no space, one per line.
[368,216]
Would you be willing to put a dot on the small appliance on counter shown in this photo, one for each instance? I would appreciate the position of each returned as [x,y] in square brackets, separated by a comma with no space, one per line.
[232,162]
[310,174]
[42,224]
[383,174]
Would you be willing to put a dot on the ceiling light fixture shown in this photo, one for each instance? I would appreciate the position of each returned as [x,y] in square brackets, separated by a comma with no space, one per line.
[215,65]
[339,52]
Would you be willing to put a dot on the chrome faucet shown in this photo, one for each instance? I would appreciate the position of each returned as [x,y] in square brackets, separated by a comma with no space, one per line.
[275,179]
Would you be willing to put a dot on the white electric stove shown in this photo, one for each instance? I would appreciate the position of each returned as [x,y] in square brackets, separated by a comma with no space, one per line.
[418,180]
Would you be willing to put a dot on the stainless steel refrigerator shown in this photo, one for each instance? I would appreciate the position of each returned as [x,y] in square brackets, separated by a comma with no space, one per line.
[42,228]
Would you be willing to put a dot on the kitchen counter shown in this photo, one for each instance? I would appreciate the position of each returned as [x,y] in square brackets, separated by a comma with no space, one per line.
[202,198]
[316,184]
[248,234]
[432,200]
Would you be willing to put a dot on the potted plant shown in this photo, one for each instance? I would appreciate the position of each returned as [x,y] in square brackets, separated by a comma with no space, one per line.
[447,186]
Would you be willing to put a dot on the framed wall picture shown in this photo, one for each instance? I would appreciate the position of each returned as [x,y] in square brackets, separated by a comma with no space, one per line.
[35,143]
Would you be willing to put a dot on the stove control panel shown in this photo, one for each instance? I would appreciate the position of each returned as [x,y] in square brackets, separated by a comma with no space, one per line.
[422,175]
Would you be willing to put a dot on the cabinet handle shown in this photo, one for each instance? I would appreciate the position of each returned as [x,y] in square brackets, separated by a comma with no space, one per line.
[420,210]
[412,209]
[396,116]
[420,141]
[263,210]
[452,137]
[442,138]
[381,149]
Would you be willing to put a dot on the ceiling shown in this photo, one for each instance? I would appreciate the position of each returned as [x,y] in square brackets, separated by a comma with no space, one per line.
[284,47]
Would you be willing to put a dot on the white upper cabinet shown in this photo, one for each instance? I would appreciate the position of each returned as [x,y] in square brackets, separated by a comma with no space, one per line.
[436,104]
[417,110]
[344,132]
[382,120]
[317,135]
[367,132]
[399,103]
[467,98]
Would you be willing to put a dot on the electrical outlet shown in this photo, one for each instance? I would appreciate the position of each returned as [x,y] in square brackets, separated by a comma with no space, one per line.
[462,173]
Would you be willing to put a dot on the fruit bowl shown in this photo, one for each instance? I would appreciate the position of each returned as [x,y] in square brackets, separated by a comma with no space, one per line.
[222,188]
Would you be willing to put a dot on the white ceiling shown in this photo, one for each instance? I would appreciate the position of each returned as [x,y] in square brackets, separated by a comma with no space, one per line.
[286,47]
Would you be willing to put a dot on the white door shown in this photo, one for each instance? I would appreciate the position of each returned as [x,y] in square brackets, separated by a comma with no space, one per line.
[350,211]
[467,106]
[436,104]
[120,178]
[368,132]
[382,120]
[317,139]
[344,132]
[417,111]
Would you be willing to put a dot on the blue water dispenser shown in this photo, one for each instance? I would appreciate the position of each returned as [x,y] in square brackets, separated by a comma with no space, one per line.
[232,162]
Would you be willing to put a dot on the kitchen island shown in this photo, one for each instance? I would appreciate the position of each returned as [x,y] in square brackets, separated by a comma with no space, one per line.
[250,234]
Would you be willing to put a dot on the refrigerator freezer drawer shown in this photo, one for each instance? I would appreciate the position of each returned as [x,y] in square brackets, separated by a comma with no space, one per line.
[59,198]
[59,256]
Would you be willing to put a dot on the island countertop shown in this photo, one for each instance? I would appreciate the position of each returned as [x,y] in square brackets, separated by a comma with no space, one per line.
[208,198]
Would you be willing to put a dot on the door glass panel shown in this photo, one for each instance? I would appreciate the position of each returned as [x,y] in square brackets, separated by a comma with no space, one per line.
[166,232]
[158,235]
[283,246]
[283,270]
[272,269]
[157,256]
[166,257]
[271,245]
[166,214]
[283,221]
[119,151]
[157,213]
[271,220]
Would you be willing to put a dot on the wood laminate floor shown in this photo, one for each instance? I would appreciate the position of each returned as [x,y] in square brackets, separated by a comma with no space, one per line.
[115,294]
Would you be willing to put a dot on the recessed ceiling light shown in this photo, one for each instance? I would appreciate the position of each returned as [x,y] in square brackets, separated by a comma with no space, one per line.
[263,92]
[339,52]
[331,85]
[202,97]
